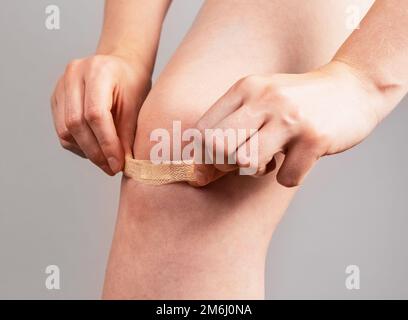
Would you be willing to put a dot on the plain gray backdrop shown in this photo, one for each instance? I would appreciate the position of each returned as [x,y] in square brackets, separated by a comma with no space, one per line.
[56,208]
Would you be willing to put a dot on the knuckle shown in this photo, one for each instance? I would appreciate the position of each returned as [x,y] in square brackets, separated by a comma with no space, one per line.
[94,62]
[250,82]
[72,66]
[271,91]
[254,111]
[74,122]
[98,64]
[97,59]
[289,115]
[292,115]
[65,144]
[93,114]
[64,135]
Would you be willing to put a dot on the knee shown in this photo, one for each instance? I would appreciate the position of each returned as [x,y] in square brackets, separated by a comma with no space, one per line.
[162,113]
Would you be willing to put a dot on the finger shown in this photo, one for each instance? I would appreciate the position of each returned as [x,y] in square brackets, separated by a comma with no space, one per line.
[235,130]
[58,114]
[268,168]
[220,147]
[256,155]
[76,124]
[126,121]
[126,128]
[242,118]
[97,112]
[73,147]
[299,160]
[205,174]
[227,104]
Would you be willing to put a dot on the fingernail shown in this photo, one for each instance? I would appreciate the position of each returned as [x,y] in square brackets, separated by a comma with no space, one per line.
[107,169]
[200,176]
[114,164]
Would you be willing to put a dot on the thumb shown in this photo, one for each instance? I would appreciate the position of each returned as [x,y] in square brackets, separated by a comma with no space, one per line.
[299,160]
[126,123]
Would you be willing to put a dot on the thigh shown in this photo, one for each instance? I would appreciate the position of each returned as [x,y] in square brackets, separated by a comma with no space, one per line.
[218,50]
[232,39]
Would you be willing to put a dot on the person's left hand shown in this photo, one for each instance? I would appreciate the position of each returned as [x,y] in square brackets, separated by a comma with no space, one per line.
[305,116]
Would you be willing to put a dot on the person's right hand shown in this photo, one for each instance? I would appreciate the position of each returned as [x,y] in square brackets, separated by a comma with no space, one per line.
[95,106]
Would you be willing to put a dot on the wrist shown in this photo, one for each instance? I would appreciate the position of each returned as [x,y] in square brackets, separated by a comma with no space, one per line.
[131,56]
[383,94]
[372,98]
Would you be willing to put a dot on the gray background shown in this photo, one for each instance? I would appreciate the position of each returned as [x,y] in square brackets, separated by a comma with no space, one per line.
[58,209]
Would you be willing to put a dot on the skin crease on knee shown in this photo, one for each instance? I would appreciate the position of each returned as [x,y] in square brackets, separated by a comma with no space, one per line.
[179,242]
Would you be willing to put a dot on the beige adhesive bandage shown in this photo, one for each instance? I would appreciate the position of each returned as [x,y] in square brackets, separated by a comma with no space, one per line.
[157,174]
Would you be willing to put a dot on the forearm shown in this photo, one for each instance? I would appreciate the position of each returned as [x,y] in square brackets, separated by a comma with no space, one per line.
[132,29]
[378,51]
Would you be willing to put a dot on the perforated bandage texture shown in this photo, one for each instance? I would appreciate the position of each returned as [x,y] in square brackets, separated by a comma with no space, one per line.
[158,174]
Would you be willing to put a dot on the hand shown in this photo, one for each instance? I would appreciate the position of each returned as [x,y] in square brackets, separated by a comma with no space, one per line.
[95,107]
[304,116]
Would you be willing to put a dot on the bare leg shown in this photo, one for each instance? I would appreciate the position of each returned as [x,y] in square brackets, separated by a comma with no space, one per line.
[178,242]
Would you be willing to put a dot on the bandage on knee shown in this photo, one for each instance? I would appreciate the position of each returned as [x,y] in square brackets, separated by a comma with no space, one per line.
[157,174]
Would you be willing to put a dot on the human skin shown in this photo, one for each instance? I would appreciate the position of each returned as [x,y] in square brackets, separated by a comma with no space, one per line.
[176,241]
[96,101]
[179,242]
[321,112]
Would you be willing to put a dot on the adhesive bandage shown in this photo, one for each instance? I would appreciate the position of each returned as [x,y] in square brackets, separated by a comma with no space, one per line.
[158,174]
